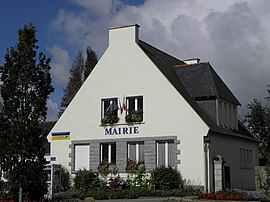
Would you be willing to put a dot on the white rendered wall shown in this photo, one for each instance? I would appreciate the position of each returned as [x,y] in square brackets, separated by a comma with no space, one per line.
[229,149]
[124,69]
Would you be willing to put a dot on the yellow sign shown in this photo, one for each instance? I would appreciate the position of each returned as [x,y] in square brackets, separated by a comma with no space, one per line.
[61,136]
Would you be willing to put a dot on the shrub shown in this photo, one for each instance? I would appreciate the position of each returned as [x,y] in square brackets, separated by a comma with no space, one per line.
[85,181]
[166,178]
[103,168]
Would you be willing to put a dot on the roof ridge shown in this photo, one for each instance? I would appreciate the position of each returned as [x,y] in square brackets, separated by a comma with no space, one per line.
[141,41]
[185,65]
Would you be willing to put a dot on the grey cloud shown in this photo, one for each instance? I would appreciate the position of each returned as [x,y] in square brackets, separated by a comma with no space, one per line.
[232,35]
[237,38]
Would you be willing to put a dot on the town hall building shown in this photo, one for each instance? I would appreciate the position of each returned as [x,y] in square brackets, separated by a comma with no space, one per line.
[143,104]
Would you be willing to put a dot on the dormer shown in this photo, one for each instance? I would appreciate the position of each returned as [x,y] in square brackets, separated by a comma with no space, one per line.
[210,92]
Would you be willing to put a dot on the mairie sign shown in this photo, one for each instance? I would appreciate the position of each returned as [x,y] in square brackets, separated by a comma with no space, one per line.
[121,130]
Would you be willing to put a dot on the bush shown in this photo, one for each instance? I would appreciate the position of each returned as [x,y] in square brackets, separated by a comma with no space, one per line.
[99,194]
[166,178]
[143,191]
[85,181]
[123,194]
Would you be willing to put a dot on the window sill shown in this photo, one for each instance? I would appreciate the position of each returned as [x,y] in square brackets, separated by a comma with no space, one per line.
[122,124]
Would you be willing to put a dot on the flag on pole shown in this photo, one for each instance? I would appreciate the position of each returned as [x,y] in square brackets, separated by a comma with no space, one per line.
[120,106]
[113,106]
[124,107]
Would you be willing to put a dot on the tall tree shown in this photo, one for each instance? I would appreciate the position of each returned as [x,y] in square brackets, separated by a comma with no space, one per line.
[26,85]
[80,70]
[90,63]
[258,122]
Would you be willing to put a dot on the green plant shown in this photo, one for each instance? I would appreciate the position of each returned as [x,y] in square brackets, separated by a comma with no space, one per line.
[135,116]
[103,168]
[131,166]
[109,119]
[166,178]
[85,181]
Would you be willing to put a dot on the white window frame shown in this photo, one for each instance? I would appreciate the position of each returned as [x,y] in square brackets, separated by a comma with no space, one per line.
[137,150]
[109,151]
[81,157]
[166,151]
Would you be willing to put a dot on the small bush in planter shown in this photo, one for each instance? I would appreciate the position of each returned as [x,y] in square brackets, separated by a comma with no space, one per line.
[109,119]
[135,116]
[166,178]
[104,168]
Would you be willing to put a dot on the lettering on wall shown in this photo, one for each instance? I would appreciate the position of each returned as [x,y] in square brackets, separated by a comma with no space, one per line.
[121,130]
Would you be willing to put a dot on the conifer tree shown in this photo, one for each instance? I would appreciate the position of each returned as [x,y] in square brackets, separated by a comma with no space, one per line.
[26,85]
[90,63]
[80,70]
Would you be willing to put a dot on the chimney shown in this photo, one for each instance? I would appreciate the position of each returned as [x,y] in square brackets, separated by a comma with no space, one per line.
[192,61]
[123,34]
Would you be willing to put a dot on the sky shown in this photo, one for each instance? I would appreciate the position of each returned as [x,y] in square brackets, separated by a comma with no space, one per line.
[233,35]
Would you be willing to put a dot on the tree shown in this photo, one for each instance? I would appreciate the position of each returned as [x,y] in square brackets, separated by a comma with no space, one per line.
[258,122]
[90,63]
[26,85]
[79,72]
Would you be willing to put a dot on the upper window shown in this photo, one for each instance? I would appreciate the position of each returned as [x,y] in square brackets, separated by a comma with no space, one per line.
[109,111]
[134,109]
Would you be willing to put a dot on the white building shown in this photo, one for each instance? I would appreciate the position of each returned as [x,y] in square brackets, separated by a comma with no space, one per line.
[178,114]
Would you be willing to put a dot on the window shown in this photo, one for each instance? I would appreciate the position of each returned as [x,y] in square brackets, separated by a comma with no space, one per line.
[136,151]
[134,109]
[108,152]
[109,109]
[165,153]
[82,157]
[246,158]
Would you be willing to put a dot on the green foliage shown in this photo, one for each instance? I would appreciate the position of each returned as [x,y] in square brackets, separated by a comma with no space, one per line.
[135,116]
[103,168]
[258,122]
[166,178]
[132,166]
[85,181]
[26,85]
[80,70]
[109,119]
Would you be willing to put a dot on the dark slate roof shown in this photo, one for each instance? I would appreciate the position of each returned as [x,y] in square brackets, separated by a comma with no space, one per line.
[201,80]
[166,64]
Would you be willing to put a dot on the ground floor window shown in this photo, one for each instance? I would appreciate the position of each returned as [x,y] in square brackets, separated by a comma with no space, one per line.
[165,153]
[82,156]
[245,158]
[108,152]
[136,151]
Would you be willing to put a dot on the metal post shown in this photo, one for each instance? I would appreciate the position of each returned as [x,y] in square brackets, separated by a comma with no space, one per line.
[20,194]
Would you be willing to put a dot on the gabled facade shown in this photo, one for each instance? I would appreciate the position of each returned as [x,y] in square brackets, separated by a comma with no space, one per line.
[142,104]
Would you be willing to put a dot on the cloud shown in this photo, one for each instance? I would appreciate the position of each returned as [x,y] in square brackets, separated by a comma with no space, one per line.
[60,64]
[52,112]
[232,35]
